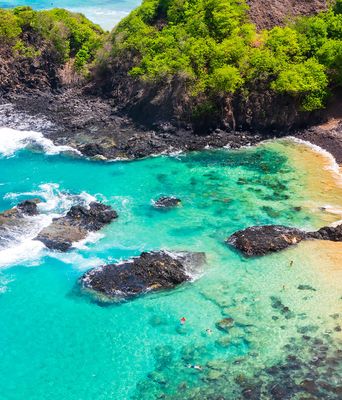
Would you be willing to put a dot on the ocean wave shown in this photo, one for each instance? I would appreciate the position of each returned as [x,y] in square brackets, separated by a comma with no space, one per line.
[12,140]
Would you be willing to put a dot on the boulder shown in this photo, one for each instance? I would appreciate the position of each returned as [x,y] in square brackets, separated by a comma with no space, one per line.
[76,225]
[261,240]
[166,202]
[150,271]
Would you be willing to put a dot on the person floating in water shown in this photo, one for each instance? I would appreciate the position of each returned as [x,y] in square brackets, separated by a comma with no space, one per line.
[183,320]
[198,367]
[209,331]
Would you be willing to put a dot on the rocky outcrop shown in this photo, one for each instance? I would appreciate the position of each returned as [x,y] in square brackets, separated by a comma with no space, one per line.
[269,13]
[150,271]
[261,240]
[13,216]
[76,225]
[166,202]
[13,222]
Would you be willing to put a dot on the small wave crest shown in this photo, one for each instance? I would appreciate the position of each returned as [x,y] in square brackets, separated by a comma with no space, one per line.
[12,140]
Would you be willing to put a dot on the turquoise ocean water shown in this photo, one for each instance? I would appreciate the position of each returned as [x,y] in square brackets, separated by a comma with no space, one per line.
[56,343]
[106,13]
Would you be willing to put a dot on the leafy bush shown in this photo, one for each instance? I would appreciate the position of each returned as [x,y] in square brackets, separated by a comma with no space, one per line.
[9,27]
[69,35]
[213,44]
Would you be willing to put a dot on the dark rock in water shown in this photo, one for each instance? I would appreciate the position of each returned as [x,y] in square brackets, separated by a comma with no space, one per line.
[13,222]
[15,215]
[150,271]
[28,207]
[76,225]
[25,208]
[261,240]
[167,202]
[327,233]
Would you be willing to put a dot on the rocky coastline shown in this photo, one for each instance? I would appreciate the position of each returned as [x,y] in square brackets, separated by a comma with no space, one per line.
[91,125]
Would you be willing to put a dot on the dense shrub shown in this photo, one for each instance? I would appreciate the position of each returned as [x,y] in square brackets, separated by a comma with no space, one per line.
[213,44]
[67,34]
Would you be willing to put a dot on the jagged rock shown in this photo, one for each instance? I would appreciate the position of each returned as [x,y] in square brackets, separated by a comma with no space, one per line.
[28,207]
[166,202]
[261,240]
[150,271]
[75,225]
[25,208]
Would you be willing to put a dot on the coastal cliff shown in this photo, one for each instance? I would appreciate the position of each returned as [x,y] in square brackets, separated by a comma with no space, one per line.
[174,76]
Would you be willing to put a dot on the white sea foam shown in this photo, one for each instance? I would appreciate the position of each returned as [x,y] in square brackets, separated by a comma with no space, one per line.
[12,140]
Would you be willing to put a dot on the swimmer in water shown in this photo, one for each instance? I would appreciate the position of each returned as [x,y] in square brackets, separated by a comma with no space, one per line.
[198,367]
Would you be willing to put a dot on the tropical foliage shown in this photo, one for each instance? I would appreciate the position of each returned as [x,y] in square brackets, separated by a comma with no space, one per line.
[69,35]
[214,46]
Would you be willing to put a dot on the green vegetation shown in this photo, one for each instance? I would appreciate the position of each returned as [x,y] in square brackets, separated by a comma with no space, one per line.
[213,45]
[67,34]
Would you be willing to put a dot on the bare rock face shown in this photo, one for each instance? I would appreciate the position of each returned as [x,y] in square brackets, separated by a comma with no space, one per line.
[268,13]
[76,225]
[150,271]
[261,240]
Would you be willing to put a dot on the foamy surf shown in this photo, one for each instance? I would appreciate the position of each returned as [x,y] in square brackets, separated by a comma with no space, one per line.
[12,140]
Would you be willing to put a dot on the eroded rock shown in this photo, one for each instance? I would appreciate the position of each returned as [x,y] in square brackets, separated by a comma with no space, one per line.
[75,225]
[150,271]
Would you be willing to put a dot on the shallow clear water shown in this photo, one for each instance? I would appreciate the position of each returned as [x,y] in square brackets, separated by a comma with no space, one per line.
[56,343]
[106,13]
